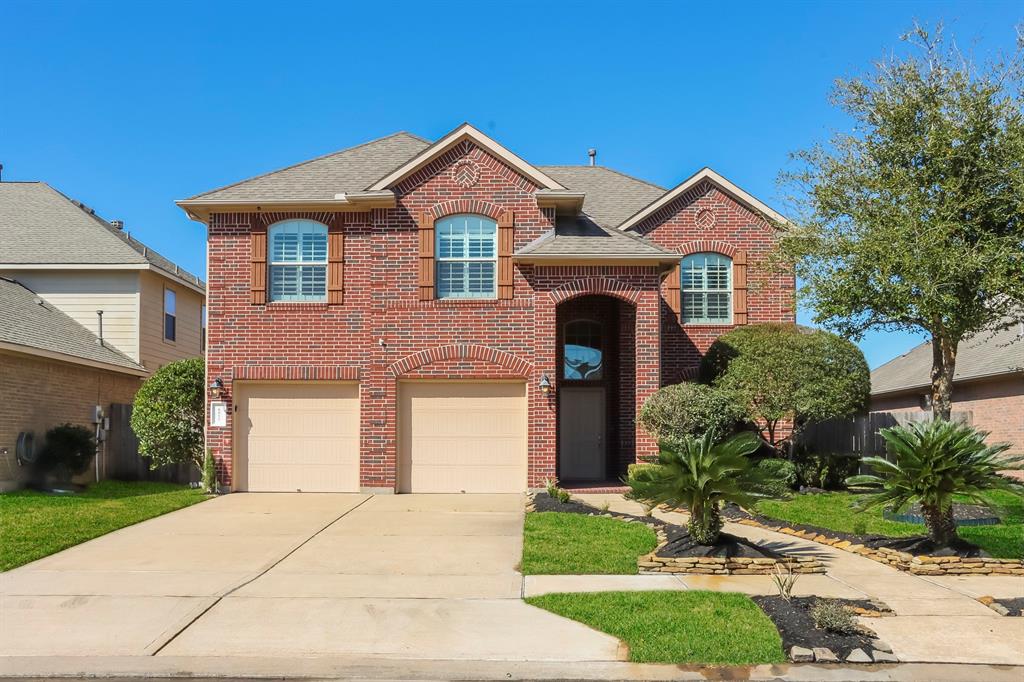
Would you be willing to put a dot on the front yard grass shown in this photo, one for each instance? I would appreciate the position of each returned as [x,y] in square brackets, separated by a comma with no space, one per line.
[833,511]
[35,524]
[575,544]
[719,628]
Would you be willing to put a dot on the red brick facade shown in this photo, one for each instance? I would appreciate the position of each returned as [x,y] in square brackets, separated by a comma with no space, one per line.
[383,333]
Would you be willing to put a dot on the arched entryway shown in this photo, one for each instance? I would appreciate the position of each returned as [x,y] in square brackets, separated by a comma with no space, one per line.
[595,357]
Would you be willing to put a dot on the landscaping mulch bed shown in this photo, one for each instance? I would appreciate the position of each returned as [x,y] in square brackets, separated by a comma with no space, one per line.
[543,502]
[916,544]
[680,544]
[1014,606]
[796,626]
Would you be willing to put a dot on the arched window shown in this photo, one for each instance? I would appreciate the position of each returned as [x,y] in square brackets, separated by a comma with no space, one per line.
[298,261]
[706,283]
[583,351]
[467,257]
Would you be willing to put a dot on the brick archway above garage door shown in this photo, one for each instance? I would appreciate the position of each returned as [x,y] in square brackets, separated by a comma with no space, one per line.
[297,436]
[462,436]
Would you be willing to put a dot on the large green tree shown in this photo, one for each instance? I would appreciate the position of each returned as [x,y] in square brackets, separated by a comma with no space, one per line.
[914,220]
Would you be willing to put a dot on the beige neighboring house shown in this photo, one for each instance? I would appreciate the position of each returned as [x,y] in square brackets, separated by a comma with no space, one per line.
[988,383]
[58,251]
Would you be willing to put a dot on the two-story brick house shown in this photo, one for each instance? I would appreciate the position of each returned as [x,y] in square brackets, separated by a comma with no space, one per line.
[407,316]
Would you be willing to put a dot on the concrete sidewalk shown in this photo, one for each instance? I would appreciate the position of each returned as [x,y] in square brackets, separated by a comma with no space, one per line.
[937,619]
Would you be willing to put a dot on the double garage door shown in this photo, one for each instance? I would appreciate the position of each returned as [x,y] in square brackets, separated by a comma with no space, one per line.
[452,437]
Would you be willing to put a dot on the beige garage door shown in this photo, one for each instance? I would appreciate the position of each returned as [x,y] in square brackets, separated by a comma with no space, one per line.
[297,437]
[462,437]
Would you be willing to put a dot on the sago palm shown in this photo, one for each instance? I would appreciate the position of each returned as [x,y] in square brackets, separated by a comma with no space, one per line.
[931,463]
[700,474]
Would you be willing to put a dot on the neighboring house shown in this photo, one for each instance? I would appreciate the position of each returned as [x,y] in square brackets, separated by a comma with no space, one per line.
[152,309]
[445,317]
[988,383]
[52,370]
[62,265]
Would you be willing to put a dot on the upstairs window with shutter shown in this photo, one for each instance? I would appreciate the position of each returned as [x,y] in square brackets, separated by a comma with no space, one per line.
[466,256]
[706,284]
[297,251]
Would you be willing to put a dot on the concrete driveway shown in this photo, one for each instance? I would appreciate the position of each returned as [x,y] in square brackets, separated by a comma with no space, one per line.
[401,576]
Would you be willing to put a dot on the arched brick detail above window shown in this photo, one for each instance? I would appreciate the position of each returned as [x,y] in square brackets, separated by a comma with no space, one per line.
[462,351]
[707,246]
[598,286]
[457,206]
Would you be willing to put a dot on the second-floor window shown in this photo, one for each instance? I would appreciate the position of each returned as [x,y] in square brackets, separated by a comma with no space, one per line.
[467,257]
[170,315]
[298,261]
[706,283]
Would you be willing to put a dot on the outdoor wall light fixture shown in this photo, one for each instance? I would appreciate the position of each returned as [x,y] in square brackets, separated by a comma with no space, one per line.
[545,384]
[217,388]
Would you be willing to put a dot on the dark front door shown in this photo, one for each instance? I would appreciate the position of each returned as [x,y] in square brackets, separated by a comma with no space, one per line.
[581,433]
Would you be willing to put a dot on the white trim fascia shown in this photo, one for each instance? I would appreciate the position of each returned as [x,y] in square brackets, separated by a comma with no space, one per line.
[74,266]
[74,359]
[200,209]
[177,278]
[465,131]
[705,174]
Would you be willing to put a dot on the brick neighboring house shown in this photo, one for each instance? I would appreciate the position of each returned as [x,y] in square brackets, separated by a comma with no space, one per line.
[53,367]
[445,317]
[988,383]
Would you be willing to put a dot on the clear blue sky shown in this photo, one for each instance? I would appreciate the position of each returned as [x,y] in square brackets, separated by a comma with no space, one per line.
[129,106]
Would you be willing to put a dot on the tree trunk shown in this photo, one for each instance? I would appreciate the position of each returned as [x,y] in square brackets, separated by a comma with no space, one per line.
[943,367]
[941,526]
[705,524]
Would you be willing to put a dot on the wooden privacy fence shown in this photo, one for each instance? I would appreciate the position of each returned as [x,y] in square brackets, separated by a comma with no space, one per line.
[122,460]
[859,435]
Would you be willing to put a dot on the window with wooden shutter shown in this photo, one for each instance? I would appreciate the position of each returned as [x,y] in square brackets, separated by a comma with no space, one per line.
[258,271]
[336,260]
[506,245]
[739,288]
[672,296]
[426,232]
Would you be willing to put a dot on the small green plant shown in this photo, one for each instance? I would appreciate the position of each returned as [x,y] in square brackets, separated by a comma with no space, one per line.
[606,506]
[209,473]
[563,495]
[556,493]
[831,615]
[67,452]
[785,580]
[781,473]
[932,462]
[860,527]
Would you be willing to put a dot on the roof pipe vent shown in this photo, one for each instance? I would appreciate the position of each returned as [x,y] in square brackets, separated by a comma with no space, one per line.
[592,153]
[117,224]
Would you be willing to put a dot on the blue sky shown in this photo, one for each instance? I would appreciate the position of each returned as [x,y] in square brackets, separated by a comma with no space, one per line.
[129,106]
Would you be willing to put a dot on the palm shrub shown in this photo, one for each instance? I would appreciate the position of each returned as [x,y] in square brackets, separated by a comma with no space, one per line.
[932,462]
[700,474]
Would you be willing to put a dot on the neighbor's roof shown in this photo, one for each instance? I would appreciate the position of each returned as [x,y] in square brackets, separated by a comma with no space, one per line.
[41,226]
[29,324]
[986,354]
[582,238]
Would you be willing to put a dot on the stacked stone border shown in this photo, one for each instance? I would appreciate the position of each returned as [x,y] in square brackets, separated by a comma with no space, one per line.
[917,565]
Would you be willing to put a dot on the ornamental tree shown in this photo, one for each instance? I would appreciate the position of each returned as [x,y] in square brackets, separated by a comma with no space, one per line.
[167,416]
[914,220]
[689,409]
[784,373]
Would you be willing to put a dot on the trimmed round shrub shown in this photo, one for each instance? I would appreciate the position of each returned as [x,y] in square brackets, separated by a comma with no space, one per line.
[782,474]
[828,471]
[167,416]
[689,409]
[68,450]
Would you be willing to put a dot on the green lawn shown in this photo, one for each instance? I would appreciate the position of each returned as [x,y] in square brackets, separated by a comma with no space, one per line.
[563,543]
[34,524]
[832,510]
[676,627]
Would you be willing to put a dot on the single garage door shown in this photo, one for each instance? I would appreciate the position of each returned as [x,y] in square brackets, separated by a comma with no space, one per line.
[462,437]
[298,437]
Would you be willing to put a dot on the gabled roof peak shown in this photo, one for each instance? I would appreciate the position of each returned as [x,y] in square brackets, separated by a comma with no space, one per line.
[465,132]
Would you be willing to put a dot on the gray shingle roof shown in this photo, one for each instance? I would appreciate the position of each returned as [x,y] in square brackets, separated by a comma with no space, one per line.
[27,320]
[985,354]
[584,238]
[349,170]
[611,196]
[39,226]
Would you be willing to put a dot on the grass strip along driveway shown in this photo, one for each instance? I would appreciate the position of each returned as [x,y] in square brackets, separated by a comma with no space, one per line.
[35,524]
[833,511]
[718,628]
[574,544]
